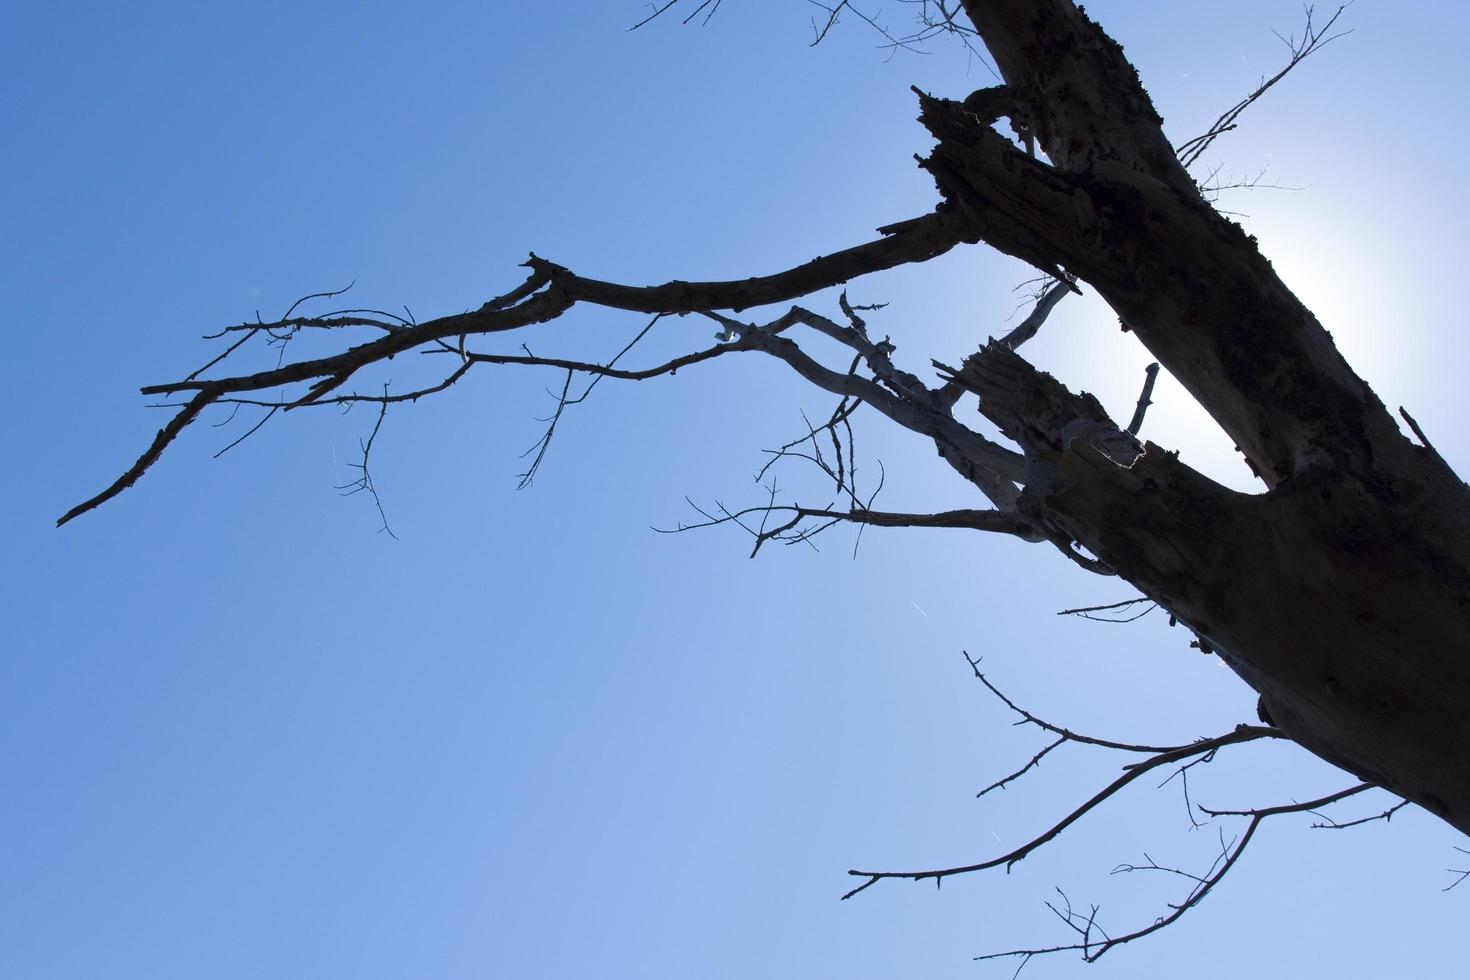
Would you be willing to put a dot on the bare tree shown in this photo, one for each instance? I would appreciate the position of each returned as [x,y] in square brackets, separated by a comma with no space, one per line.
[1340,592]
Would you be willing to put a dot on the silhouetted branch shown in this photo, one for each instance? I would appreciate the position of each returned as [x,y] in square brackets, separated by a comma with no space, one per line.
[1028,327]
[1387,815]
[1212,185]
[1241,733]
[166,435]
[1462,872]
[1091,948]
[364,481]
[548,292]
[1092,940]
[1027,718]
[995,521]
[1312,40]
[938,18]
[891,41]
[564,400]
[1150,374]
[1085,612]
[1046,300]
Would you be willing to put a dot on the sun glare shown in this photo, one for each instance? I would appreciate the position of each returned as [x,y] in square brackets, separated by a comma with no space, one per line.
[1337,285]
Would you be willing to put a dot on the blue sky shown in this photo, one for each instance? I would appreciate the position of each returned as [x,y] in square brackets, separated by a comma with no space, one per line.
[245,735]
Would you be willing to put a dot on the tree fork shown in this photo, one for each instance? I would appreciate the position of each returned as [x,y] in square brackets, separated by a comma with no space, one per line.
[1334,597]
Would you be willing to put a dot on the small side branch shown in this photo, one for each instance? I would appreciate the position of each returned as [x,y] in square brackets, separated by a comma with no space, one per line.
[891,41]
[1090,612]
[707,7]
[830,449]
[1329,824]
[1094,943]
[1150,374]
[1242,733]
[1313,39]
[1423,439]
[565,399]
[1463,873]
[1067,735]
[1048,300]
[364,481]
[201,400]
[790,531]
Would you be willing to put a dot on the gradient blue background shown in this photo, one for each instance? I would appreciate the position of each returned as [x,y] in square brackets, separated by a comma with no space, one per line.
[245,736]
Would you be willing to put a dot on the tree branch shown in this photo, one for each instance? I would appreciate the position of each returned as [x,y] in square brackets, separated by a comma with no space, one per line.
[1085,612]
[1028,327]
[1027,718]
[1312,40]
[166,435]
[1092,949]
[995,521]
[1150,375]
[1241,733]
[549,291]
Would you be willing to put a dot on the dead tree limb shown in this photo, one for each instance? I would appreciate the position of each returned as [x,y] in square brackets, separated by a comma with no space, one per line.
[1241,733]
[1093,943]
[1340,593]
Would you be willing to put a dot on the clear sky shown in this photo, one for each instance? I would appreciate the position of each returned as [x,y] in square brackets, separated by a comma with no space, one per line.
[244,735]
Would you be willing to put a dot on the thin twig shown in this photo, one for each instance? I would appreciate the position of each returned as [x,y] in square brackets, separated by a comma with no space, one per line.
[1092,950]
[364,482]
[1242,733]
[1312,40]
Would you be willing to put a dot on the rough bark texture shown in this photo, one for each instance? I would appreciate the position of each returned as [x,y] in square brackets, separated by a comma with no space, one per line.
[1342,594]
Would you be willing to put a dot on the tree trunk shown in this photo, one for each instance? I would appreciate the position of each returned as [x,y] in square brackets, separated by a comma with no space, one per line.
[1341,594]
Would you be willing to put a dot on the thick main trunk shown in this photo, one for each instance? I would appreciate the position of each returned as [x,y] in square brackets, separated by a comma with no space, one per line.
[1343,600]
[1342,594]
[1338,603]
